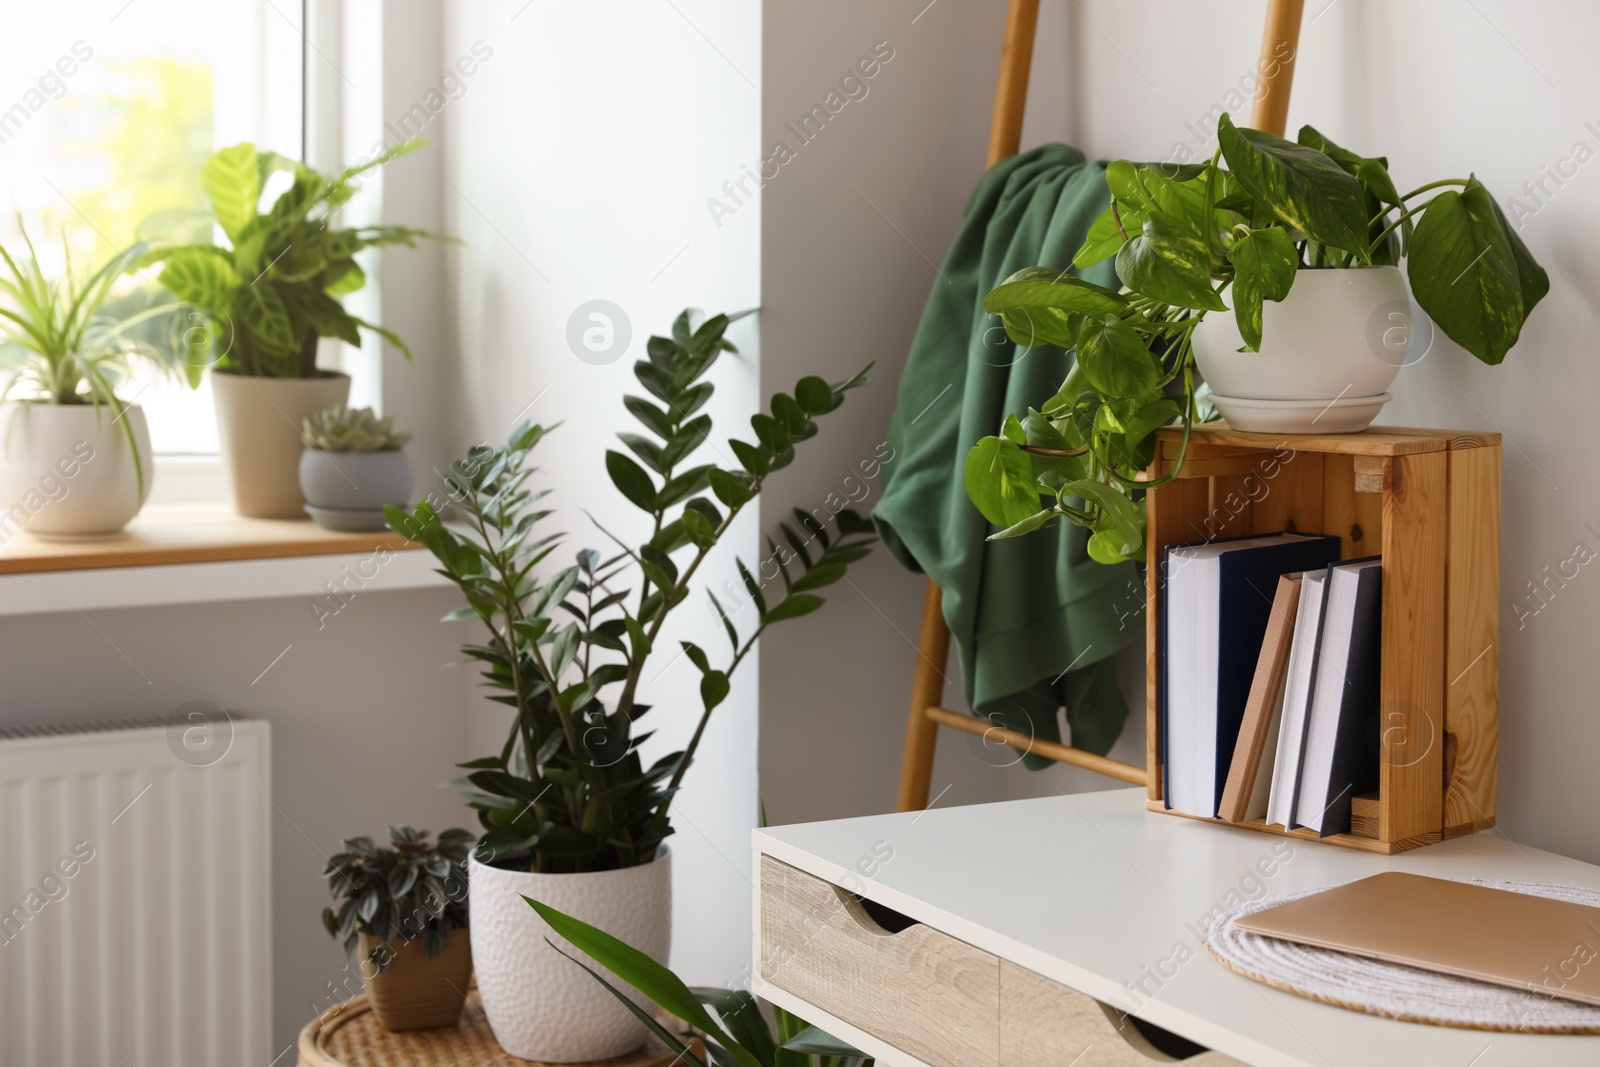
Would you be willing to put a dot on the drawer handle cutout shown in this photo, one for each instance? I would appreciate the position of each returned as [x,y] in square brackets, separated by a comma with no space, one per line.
[872,917]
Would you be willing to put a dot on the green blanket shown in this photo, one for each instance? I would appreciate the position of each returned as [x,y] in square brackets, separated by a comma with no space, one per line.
[1033,618]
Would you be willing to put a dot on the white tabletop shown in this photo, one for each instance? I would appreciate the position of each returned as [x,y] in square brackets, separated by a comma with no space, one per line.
[1095,892]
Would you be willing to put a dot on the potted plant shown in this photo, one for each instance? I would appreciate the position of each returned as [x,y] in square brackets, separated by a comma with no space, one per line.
[264,301]
[571,814]
[74,457]
[1304,240]
[400,907]
[351,467]
[736,1028]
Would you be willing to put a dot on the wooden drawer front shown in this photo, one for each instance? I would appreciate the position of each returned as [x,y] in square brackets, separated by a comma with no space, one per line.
[924,992]
[1046,1024]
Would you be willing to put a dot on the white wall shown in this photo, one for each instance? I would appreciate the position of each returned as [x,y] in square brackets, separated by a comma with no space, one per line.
[1442,88]
[576,170]
[367,721]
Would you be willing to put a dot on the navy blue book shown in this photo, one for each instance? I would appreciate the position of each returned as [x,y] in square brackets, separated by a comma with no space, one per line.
[1217,600]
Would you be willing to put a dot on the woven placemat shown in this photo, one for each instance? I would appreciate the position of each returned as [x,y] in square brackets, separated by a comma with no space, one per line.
[349,1036]
[1394,990]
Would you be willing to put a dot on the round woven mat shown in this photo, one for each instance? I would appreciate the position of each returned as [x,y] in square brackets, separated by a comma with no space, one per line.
[349,1036]
[1395,990]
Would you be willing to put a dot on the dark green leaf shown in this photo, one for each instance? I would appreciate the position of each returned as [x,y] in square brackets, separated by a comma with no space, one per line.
[734,490]
[1036,304]
[815,1042]
[714,687]
[792,607]
[1300,185]
[1264,264]
[1464,272]
[815,395]
[1168,261]
[632,480]
[1115,360]
[653,417]
[755,459]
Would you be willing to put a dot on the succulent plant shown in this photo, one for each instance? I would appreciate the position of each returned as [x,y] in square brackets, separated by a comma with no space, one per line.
[352,430]
[415,890]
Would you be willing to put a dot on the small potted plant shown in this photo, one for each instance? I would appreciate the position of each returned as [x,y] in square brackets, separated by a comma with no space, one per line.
[402,908]
[74,457]
[571,814]
[262,304]
[352,467]
[1301,241]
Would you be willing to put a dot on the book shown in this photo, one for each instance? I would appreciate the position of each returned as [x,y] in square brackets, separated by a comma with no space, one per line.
[1339,756]
[1218,598]
[1296,695]
[1244,795]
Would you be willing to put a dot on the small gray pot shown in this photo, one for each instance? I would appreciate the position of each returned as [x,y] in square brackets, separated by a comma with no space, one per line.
[354,481]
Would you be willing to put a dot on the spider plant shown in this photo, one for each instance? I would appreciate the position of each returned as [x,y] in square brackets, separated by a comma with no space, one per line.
[55,345]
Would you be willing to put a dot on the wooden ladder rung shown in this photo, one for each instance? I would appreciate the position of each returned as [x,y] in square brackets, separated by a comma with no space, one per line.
[987,730]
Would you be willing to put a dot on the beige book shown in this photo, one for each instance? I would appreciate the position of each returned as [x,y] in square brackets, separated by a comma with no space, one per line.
[1244,794]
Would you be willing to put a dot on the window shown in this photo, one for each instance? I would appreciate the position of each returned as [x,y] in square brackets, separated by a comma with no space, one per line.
[105,123]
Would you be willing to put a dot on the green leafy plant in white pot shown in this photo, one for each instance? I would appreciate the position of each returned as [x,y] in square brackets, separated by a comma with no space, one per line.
[572,816]
[352,467]
[74,456]
[1276,277]
[262,303]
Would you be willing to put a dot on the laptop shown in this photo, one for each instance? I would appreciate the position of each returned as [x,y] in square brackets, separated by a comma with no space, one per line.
[1545,946]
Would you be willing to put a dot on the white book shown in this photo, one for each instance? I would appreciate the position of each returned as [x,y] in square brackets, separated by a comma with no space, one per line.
[1327,693]
[1296,695]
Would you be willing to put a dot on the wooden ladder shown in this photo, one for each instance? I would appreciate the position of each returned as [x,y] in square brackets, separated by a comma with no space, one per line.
[1269,112]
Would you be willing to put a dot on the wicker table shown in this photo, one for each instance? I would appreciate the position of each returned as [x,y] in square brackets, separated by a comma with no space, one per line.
[348,1035]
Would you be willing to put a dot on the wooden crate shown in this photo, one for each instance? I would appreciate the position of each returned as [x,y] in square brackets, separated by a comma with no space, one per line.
[1429,502]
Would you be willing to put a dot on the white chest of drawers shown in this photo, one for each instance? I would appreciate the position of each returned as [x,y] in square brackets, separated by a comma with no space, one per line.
[1006,922]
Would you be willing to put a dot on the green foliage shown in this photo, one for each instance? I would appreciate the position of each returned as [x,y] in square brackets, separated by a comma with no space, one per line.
[1261,210]
[267,297]
[735,1029]
[57,347]
[567,650]
[352,430]
[414,890]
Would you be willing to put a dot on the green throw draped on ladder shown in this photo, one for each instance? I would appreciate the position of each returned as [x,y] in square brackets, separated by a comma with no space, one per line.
[1034,619]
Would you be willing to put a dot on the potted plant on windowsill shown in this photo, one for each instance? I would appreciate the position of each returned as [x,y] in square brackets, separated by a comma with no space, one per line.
[404,910]
[1300,241]
[262,304]
[571,814]
[352,467]
[74,457]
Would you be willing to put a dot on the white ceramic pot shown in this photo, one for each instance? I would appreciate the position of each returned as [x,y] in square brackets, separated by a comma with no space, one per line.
[66,470]
[1333,336]
[541,1005]
[258,428]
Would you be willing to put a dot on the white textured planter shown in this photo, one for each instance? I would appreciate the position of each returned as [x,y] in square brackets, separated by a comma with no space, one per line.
[1333,336]
[66,469]
[258,428]
[541,1005]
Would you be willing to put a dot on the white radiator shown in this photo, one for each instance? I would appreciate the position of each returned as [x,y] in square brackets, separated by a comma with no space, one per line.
[135,901]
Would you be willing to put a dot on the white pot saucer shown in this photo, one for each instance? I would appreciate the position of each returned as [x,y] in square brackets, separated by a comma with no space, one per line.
[1348,414]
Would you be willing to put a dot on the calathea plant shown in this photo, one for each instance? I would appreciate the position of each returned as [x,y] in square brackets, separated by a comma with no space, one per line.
[266,298]
[568,792]
[1240,226]
[415,890]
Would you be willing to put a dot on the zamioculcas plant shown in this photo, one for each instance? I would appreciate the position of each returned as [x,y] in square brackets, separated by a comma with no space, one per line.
[567,650]
[735,1028]
[1243,224]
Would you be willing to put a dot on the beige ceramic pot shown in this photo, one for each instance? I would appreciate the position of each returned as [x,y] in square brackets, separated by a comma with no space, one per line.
[258,427]
[414,992]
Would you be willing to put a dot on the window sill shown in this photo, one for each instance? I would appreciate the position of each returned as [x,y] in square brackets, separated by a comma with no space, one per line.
[187,554]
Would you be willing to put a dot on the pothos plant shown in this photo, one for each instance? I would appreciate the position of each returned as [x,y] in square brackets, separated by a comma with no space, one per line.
[1241,226]
[567,651]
